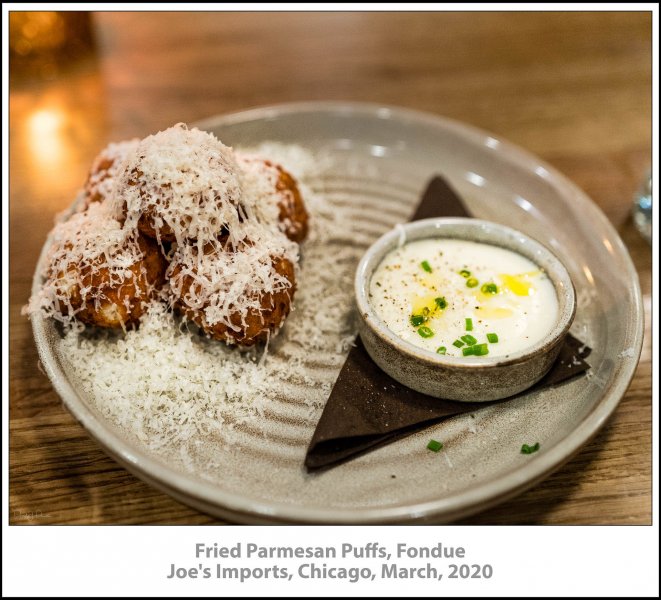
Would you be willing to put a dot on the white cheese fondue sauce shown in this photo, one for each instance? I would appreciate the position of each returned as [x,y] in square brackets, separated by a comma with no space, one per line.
[433,292]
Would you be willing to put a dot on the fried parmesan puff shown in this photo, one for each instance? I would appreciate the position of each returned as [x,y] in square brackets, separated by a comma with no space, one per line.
[180,184]
[105,168]
[115,302]
[268,185]
[220,227]
[97,275]
[239,296]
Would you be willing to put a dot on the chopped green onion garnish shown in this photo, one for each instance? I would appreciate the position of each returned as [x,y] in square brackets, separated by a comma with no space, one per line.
[442,303]
[469,340]
[472,282]
[425,332]
[426,266]
[441,350]
[469,350]
[458,343]
[525,449]
[465,274]
[492,337]
[417,320]
[480,349]
[425,311]
[434,446]
[469,324]
[489,288]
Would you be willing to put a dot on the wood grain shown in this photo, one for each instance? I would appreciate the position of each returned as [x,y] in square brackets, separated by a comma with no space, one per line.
[574,88]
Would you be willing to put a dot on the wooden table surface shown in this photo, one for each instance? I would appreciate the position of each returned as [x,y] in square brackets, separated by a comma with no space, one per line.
[574,88]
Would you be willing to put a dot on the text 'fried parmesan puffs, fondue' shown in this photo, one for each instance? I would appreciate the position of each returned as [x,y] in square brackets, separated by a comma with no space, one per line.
[179,218]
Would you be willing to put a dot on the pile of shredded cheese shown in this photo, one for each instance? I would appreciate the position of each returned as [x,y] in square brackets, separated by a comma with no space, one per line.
[188,183]
[182,395]
[191,182]
[221,283]
[185,179]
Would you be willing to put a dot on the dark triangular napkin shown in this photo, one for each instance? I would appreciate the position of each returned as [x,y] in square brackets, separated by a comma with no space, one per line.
[439,200]
[367,408]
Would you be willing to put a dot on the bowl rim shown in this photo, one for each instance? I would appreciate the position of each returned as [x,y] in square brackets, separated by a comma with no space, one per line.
[400,234]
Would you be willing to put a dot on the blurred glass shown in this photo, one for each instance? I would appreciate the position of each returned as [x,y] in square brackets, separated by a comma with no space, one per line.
[642,208]
[41,43]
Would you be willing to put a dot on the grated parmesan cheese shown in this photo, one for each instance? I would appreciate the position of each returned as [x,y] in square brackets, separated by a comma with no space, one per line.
[185,397]
[91,245]
[221,283]
[259,181]
[182,183]
[199,405]
[106,166]
[179,185]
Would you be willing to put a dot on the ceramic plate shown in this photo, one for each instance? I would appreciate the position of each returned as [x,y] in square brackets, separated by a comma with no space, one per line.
[380,161]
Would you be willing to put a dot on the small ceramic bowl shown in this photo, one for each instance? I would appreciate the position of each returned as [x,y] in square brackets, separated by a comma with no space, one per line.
[458,378]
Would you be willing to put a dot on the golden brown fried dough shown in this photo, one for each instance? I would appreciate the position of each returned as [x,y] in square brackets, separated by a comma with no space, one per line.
[106,166]
[180,184]
[292,208]
[248,327]
[151,222]
[99,298]
[292,215]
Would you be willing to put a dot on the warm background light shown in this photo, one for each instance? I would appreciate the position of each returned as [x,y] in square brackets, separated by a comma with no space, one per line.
[43,43]
[46,139]
[45,122]
[36,31]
